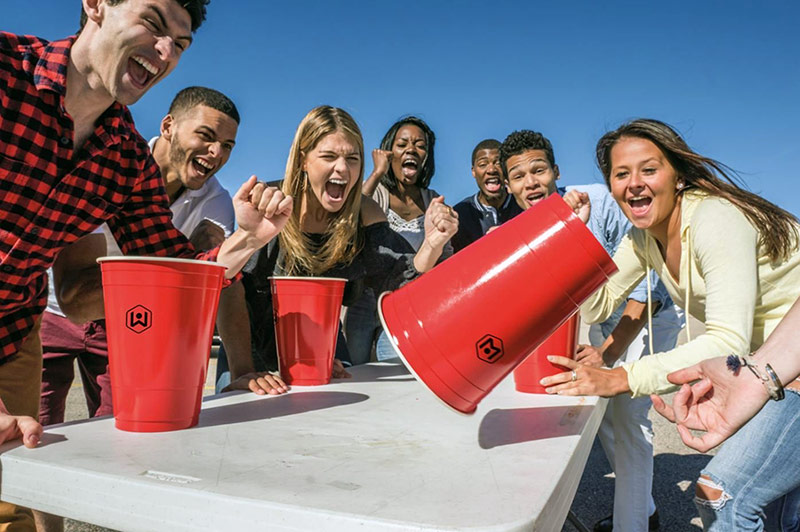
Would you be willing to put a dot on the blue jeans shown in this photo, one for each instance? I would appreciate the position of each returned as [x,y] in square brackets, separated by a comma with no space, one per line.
[360,324]
[758,471]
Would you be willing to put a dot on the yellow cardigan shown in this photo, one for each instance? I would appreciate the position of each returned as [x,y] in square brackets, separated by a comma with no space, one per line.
[733,288]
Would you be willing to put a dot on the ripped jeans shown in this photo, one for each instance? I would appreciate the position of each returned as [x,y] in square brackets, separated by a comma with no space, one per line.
[758,471]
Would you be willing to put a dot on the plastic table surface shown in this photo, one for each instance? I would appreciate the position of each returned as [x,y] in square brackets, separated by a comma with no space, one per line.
[375,452]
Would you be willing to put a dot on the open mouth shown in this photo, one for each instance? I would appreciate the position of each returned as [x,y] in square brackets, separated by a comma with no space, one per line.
[335,189]
[202,167]
[534,197]
[639,204]
[141,71]
[493,184]
[410,167]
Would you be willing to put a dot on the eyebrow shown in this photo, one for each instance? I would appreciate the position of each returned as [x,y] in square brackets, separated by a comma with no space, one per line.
[211,130]
[163,20]
[334,152]
[537,160]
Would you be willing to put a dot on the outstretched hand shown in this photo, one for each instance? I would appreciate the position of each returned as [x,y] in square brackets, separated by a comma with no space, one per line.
[261,211]
[441,223]
[718,403]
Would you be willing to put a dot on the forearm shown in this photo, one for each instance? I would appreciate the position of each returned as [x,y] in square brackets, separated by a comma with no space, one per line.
[633,319]
[233,324]
[426,257]
[782,349]
[236,251]
[371,183]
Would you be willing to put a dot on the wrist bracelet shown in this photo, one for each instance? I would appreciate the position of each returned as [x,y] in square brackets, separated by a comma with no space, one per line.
[770,381]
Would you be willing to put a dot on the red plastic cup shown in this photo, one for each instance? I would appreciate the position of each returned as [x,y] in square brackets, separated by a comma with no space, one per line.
[536,367]
[160,315]
[306,311]
[465,325]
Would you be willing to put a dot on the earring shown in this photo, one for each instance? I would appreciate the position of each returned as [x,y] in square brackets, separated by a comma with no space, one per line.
[679,186]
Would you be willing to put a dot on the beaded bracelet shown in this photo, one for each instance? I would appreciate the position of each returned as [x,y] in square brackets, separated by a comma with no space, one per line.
[770,381]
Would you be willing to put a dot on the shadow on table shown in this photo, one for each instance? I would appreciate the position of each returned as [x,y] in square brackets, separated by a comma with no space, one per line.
[381,373]
[507,427]
[276,406]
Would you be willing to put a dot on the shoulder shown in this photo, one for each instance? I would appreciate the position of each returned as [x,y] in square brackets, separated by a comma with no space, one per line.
[465,205]
[10,42]
[371,212]
[427,195]
[712,219]
[706,207]
[213,189]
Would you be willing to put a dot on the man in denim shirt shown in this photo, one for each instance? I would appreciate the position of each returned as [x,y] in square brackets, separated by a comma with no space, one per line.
[625,433]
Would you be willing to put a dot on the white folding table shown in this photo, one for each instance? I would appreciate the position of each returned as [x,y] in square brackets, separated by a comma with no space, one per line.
[375,452]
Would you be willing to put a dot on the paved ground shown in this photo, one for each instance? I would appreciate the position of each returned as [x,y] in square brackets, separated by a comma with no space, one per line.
[676,467]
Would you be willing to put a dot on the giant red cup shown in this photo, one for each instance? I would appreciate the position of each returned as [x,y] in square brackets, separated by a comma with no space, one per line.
[160,315]
[536,367]
[465,325]
[306,311]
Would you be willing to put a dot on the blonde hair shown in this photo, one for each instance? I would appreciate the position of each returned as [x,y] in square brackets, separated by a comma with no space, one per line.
[344,231]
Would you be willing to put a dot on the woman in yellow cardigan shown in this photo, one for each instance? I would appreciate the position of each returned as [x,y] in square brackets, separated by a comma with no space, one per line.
[731,259]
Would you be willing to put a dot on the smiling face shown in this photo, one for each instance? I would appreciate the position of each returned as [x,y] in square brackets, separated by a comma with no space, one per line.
[409,150]
[531,178]
[200,142]
[488,174]
[333,167]
[136,44]
[643,182]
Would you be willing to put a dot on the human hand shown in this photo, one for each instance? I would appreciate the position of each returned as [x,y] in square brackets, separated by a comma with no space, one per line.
[14,427]
[261,210]
[579,203]
[338,370]
[381,159]
[589,356]
[260,383]
[718,403]
[587,380]
[441,223]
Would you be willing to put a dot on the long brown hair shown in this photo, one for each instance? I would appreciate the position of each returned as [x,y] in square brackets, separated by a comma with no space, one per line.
[777,228]
[344,228]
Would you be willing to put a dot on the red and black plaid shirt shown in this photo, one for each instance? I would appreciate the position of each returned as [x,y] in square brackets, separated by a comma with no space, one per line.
[51,195]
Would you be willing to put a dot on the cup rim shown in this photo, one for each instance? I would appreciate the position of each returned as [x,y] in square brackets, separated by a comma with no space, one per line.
[304,278]
[132,258]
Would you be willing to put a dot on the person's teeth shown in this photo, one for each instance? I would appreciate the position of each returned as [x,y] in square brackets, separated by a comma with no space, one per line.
[337,181]
[204,164]
[151,68]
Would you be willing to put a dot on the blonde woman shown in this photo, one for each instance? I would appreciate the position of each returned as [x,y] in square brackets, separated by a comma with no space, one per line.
[334,231]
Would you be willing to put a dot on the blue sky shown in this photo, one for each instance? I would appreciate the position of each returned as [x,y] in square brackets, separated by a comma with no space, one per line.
[726,74]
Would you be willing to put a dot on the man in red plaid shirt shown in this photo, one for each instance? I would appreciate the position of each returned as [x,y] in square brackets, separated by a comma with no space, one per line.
[71,159]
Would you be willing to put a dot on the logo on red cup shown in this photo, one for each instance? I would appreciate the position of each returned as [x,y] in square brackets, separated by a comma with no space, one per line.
[489,348]
[138,319]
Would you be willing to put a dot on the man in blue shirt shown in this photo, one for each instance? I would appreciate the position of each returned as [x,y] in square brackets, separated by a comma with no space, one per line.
[625,433]
[491,205]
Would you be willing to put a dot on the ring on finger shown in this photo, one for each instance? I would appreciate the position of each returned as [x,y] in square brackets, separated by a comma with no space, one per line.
[574,376]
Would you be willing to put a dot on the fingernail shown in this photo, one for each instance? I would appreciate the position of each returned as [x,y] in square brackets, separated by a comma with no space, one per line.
[550,358]
[544,382]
